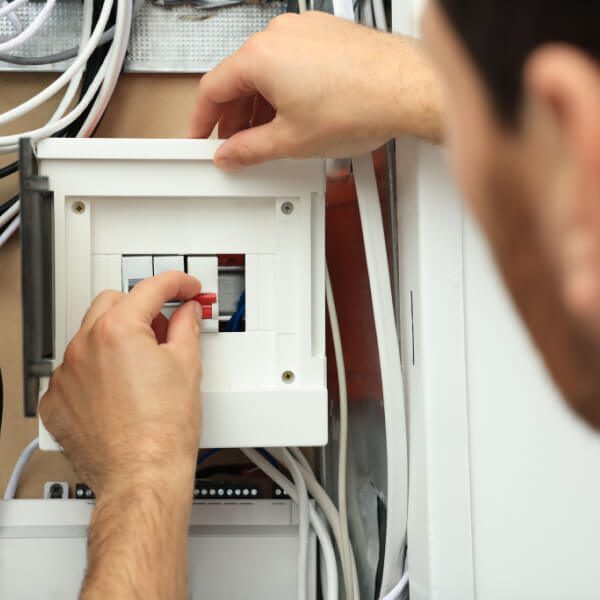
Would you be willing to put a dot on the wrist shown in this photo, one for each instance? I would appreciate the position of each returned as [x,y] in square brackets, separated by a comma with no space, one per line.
[172,483]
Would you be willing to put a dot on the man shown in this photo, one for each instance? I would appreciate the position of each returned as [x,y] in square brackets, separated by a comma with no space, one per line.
[522,96]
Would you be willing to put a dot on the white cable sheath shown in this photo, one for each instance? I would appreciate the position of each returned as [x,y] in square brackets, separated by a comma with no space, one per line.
[286,459]
[117,57]
[343,441]
[71,91]
[10,7]
[78,63]
[389,356]
[30,30]
[13,482]
[9,213]
[343,9]
[331,514]
[10,143]
[379,15]
[315,520]
[396,593]
[7,233]
[391,369]
[12,17]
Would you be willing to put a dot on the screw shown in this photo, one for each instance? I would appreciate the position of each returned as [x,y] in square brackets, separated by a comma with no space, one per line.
[287,208]
[288,377]
[56,491]
[78,207]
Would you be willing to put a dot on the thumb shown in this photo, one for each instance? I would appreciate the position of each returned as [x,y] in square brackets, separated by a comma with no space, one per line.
[183,333]
[252,146]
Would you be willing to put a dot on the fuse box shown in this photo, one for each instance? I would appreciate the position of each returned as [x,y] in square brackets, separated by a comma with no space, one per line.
[104,214]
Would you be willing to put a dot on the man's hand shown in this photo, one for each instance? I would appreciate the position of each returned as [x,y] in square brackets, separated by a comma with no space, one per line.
[316,85]
[125,407]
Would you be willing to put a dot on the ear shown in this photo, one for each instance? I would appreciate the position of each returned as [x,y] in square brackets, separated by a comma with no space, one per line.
[566,83]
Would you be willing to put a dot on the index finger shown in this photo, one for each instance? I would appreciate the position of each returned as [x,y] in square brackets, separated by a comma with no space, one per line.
[230,80]
[147,298]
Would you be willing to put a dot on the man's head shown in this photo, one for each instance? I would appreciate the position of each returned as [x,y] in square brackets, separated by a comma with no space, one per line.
[523,86]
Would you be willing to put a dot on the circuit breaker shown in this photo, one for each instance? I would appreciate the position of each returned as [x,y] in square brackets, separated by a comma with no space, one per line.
[105,214]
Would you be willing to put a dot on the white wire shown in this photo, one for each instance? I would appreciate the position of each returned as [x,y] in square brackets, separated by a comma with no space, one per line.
[315,520]
[379,15]
[333,518]
[390,366]
[366,10]
[285,458]
[30,30]
[343,443]
[9,213]
[76,65]
[118,52]
[86,26]
[13,482]
[12,17]
[7,233]
[396,592]
[10,7]
[10,143]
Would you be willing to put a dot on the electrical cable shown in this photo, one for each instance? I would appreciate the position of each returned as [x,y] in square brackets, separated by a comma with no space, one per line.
[6,205]
[390,366]
[9,213]
[50,59]
[7,233]
[303,518]
[9,169]
[206,455]
[93,65]
[71,91]
[333,518]
[343,434]
[10,7]
[389,355]
[13,482]
[328,552]
[395,593]
[379,15]
[69,73]
[30,30]
[116,58]
[13,18]
[10,143]
[235,321]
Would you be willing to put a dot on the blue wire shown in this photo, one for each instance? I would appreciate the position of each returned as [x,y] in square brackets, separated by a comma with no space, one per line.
[203,457]
[236,319]
[269,457]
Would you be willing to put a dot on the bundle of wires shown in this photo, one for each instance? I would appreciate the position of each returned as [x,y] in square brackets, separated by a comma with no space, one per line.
[93,73]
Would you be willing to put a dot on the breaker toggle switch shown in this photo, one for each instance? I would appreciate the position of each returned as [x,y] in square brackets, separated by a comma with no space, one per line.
[206,269]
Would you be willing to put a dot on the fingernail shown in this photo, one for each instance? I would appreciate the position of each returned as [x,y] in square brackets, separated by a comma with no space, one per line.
[226,164]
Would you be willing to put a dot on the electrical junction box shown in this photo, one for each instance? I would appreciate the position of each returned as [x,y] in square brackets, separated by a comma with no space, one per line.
[103,214]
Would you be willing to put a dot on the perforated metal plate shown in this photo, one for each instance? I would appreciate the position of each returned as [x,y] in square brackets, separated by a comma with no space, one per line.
[183,39]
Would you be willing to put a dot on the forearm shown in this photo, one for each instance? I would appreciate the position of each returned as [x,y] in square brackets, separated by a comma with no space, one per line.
[416,102]
[137,543]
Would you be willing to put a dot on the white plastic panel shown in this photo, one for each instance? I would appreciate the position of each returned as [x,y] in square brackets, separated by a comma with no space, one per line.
[165,197]
[236,550]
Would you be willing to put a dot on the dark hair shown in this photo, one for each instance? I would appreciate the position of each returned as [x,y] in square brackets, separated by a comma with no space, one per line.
[501,34]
